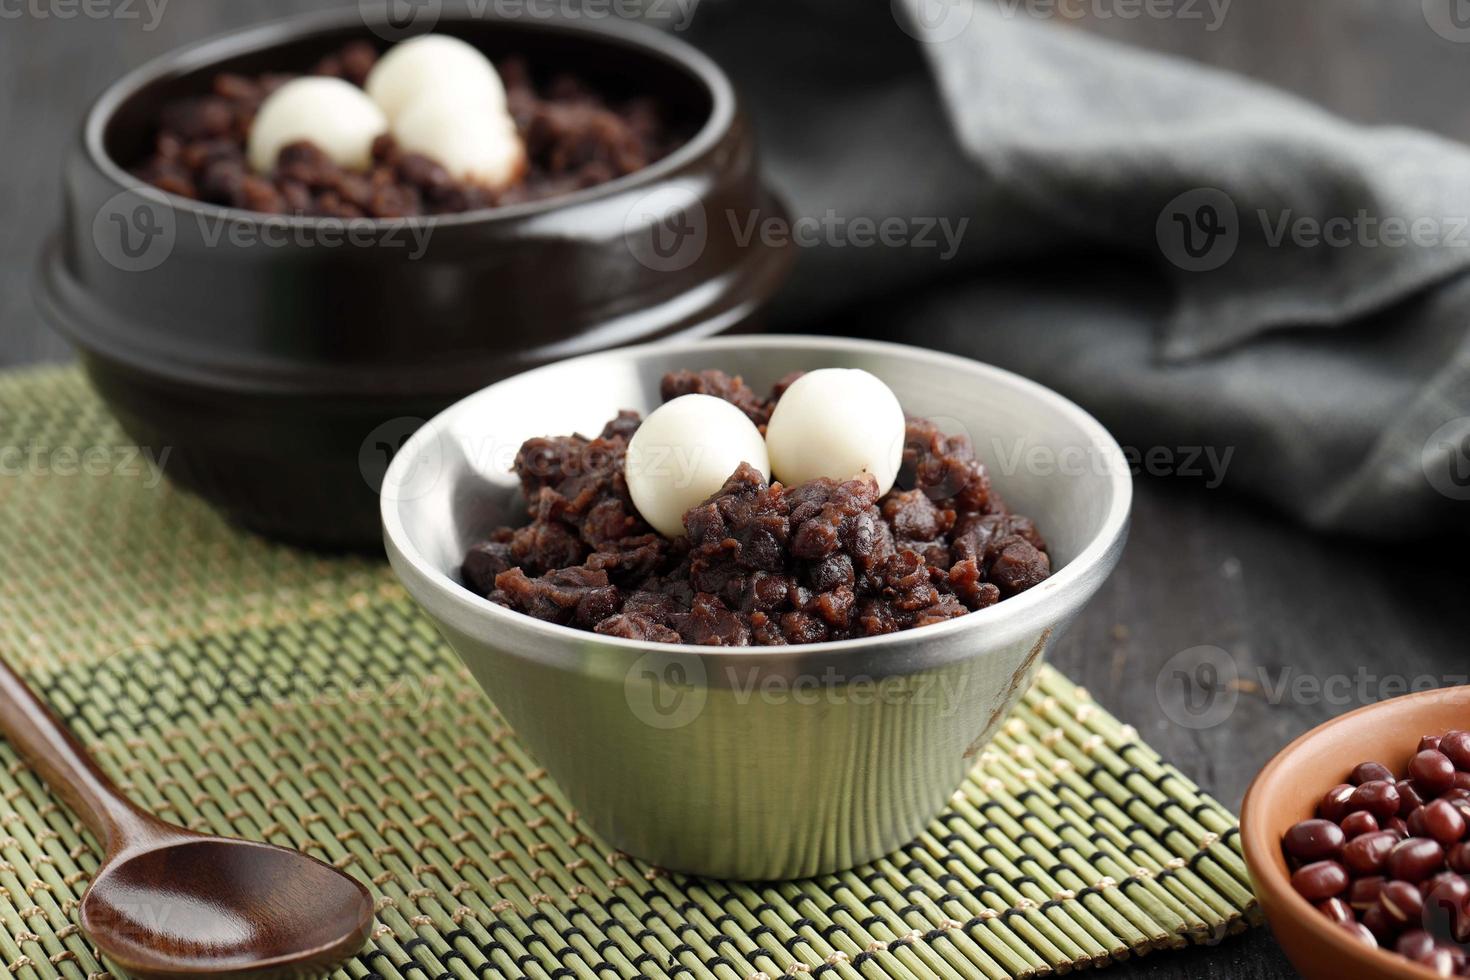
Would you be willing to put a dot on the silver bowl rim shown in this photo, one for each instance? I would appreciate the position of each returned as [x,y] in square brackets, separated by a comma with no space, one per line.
[1066,589]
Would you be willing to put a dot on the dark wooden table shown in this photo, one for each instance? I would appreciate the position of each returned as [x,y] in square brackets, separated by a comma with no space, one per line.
[1203,568]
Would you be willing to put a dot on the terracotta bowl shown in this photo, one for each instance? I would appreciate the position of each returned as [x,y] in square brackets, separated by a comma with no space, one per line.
[1287,791]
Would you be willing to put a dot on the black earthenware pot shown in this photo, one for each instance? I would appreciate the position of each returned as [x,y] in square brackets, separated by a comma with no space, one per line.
[283,360]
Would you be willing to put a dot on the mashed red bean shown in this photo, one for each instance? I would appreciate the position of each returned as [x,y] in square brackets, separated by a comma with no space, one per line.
[574,139]
[1386,858]
[762,564]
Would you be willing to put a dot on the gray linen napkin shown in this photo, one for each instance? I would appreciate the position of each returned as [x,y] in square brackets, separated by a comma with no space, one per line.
[1210,265]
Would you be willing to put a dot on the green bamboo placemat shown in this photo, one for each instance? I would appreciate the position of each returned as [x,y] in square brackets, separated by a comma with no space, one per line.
[243,688]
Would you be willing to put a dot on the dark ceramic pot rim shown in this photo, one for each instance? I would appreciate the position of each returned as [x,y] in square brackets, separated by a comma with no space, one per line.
[259,37]
[262,332]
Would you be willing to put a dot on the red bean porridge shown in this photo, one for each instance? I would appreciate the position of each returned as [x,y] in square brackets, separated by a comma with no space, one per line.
[574,137]
[763,563]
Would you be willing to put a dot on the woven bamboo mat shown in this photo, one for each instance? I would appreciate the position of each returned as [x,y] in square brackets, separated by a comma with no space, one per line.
[248,689]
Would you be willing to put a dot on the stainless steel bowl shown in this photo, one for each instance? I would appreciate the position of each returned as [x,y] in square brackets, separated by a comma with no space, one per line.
[764,762]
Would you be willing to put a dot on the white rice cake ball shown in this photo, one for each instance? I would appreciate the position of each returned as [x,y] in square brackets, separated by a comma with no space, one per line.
[474,142]
[433,65]
[836,423]
[682,455]
[334,115]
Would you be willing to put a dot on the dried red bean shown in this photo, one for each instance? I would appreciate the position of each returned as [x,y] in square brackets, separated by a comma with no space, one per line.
[1447,886]
[1462,807]
[1334,805]
[1368,771]
[1320,881]
[1363,892]
[1402,902]
[1446,897]
[1456,745]
[1409,797]
[1361,933]
[357,61]
[1398,839]
[1314,840]
[1443,822]
[1414,944]
[1358,824]
[1368,854]
[1415,859]
[1380,925]
[198,117]
[1441,961]
[1432,771]
[1378,796]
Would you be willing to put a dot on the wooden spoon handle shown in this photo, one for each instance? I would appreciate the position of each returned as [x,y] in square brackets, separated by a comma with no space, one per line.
[56,756]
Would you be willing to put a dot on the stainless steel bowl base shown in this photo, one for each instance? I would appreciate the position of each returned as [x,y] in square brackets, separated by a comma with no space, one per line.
[762,762]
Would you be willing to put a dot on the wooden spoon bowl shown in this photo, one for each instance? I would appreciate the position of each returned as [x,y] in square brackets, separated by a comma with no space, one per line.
[216,906]
[168,903]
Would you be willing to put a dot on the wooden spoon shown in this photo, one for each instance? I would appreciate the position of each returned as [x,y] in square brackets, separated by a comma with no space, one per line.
[170,903]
